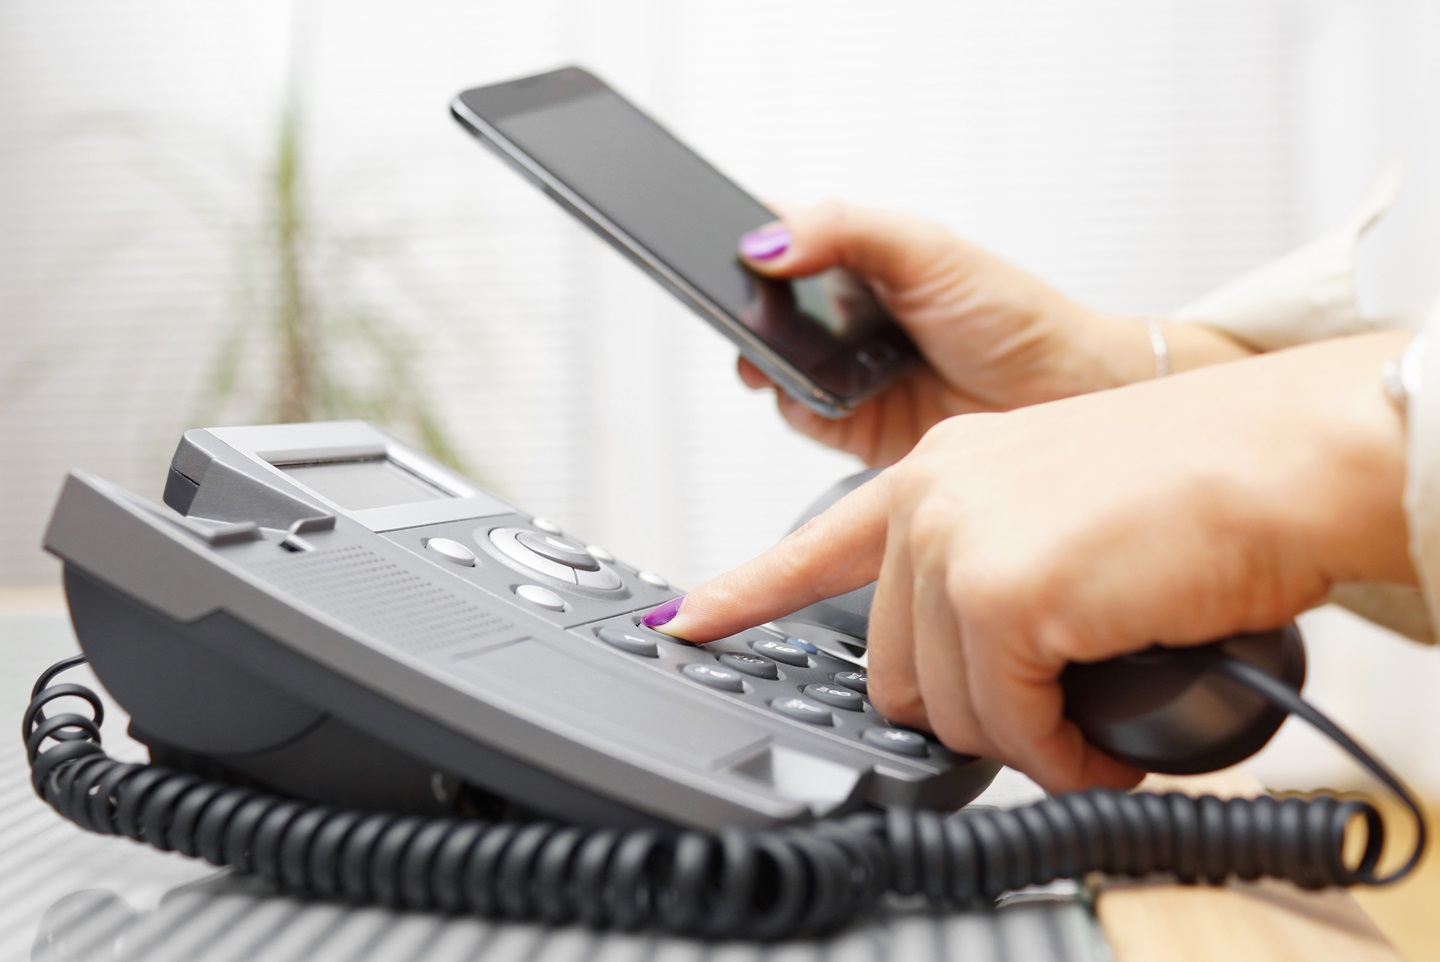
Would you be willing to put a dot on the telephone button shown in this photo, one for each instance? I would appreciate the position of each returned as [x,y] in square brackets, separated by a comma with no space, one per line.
[629,642]
[545,525]
[836,697]
[897,740]
[781,652]
[802,710]
[651,578]
[802,644]
[543,597]
[562,550]
[715,676]
[600,553]
[505,539]
[751,665]
[452,551]
[854,680]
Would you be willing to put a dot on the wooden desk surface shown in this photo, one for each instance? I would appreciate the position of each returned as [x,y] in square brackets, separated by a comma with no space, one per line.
[1237,922]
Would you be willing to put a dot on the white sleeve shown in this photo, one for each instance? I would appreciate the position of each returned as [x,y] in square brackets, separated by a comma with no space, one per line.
[1307,295]
[1422,468]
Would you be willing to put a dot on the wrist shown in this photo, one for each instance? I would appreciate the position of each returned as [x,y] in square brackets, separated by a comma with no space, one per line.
[1358,526]
[1125,349]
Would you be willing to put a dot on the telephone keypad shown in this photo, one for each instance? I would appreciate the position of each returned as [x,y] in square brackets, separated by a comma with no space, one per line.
[725,679]
[751,665]
[836,697]
[802,710]
[631,642]
[897,740]
[781,652]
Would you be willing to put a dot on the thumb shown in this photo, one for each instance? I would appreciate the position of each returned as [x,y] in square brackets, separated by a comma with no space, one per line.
[885,247]
[832,553]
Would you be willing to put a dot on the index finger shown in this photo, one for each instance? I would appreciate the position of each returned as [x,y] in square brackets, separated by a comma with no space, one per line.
[834,552]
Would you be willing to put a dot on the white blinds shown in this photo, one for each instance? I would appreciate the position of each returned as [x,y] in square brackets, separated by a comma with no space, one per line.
[1134,153]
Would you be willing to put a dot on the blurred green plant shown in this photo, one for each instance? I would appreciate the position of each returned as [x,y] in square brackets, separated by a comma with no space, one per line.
[330,354]
[303,340]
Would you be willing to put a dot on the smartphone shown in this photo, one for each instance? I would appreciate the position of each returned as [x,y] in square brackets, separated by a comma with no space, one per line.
[824,339]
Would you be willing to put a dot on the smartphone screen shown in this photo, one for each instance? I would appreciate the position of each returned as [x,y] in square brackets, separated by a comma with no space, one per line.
[682,219]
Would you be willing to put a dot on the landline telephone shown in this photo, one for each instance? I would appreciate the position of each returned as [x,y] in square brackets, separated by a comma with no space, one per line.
[361,676]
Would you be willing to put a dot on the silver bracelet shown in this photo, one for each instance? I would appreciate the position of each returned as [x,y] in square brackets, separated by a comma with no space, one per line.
[1159,345]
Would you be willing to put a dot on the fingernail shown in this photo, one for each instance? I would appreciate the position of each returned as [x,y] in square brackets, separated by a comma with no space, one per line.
[767,243]
[664,614]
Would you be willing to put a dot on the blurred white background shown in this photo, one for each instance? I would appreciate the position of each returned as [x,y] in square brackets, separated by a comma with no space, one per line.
[1133,152]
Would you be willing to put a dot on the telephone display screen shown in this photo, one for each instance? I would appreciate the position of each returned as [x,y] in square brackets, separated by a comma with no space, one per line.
[358,485]
[684,213]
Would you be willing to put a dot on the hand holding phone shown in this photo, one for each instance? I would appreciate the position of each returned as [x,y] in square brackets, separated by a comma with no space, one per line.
[824,339]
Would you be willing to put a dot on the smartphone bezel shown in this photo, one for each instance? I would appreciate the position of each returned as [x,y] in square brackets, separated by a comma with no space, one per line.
[529,93]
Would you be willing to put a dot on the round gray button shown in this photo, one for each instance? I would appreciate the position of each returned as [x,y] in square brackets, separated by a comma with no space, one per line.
[751,665]
[629,641]
[897,740]
[543,597]
[714,676]
[600,553]
[782,652]
[651,578]
[836,696]
[566,552]
[802,710]
[854,680]
[452,551]
[545,525]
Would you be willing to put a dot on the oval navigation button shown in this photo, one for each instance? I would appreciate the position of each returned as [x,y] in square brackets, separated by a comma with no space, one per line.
[452,551]
[543,597]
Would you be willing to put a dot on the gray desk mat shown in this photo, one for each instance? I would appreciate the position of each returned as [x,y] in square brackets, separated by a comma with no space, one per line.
[68,895]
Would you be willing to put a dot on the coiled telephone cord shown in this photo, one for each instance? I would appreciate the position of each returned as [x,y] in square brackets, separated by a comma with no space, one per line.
[725,883]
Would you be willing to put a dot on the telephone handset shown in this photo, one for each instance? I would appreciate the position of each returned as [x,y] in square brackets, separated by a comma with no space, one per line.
[361,676]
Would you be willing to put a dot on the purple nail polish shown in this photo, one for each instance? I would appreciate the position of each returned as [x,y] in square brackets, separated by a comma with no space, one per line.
[664,614]
[766,243]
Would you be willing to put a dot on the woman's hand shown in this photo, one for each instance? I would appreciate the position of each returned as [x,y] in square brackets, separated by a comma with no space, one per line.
[993,336]
[1175,511]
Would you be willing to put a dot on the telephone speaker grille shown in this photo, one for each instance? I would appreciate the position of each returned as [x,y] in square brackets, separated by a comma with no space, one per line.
[366,591]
